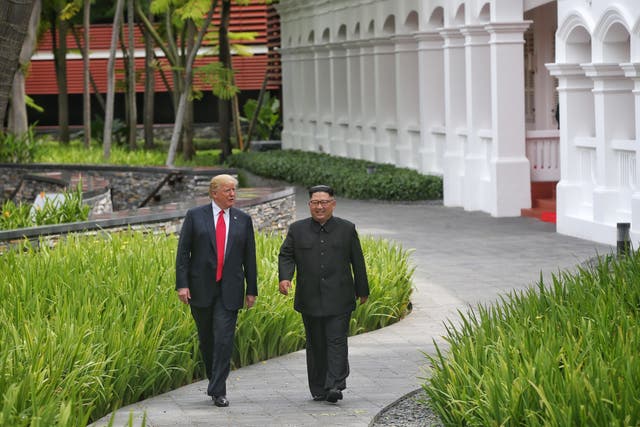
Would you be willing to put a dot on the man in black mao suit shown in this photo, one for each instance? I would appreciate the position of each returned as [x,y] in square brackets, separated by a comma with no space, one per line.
[331,274]
[214,295]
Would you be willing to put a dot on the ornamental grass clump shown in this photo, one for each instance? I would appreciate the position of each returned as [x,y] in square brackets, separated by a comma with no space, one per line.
[558,355]
[94,324]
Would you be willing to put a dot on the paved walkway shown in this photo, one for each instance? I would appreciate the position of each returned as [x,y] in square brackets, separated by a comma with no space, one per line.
[462,258]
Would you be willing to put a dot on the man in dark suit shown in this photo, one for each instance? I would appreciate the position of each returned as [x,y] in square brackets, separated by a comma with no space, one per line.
[331,274]
[216,256]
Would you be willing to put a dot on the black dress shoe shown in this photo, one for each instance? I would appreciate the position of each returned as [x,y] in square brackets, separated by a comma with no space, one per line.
[334,395]
[319,397]
[220,401]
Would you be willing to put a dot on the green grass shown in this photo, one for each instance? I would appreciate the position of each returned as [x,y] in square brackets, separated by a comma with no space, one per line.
[560,354]
[94,323]
[76,153]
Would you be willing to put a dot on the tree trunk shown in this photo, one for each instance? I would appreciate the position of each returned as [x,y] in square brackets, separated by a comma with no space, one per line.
[188,76]
[96,93]
[149,89]
[86,96]
[60,59]
[131,98]
[188,150]
[18,120]
[111,81]
[14,19]
[224,105]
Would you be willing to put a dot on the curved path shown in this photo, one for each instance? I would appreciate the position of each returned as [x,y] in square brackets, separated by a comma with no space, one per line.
[462,259]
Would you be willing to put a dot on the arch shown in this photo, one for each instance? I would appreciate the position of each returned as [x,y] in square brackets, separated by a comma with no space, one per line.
[342,32]
[356,31]
[459,17]
[412,22]
[436,20]
[616,44]
[312,37]
[613,32]
[326,34]
[289,41]
[484,15]
[372,28]
[578,46]
[389,26]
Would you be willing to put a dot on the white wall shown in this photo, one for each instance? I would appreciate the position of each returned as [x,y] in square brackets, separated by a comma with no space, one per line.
[433,85]
[598,67]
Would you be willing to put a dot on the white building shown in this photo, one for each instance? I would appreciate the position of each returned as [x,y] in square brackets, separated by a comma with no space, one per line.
[467,89]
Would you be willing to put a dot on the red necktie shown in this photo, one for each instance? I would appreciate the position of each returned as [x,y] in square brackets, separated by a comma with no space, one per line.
[221,235]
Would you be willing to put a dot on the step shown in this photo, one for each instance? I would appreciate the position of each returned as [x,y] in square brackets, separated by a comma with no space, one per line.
[546,204]
[538,213]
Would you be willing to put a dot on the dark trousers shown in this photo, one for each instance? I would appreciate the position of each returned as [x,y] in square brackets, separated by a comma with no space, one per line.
[216,328]
[327,352]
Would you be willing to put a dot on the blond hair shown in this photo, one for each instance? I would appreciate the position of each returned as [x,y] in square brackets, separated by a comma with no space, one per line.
[219,180]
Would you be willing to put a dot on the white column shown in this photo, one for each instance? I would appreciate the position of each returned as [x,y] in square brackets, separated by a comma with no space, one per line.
[289,136]
[354,100]
[339,88]
[369,94]
[455,116]
[476,190]
[407,145]
[386,125]
[309,114]
[633,71]
[574,192]
[510,175]
[323,98]
[614,111]
[431,78]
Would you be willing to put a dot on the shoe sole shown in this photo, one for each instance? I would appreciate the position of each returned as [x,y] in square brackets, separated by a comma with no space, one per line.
[333,396]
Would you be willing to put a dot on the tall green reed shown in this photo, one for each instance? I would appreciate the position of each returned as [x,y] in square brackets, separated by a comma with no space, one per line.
[559,354]
[94,324]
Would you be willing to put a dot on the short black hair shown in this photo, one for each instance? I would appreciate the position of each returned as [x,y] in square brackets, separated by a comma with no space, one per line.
[320,189]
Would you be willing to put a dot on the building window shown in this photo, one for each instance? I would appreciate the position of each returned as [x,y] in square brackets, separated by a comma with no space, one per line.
[529,77]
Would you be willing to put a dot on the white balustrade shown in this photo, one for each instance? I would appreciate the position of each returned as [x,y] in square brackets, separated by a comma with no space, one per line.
[543,153]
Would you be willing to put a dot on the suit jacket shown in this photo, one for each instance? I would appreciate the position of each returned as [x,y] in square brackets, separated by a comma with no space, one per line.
[331,271]
[196,260]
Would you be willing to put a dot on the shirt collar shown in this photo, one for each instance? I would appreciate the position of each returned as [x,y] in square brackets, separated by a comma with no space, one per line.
[217,209]
[327,227]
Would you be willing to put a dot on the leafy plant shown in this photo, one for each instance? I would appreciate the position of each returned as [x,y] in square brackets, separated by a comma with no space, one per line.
[18,148]
[65,207]
[349,177]
[64,363]
[559,354]
[268,124]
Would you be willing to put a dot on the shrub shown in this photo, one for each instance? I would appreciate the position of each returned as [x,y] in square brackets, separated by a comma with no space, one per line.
[66,207]
[94,324]
[349,177]
[18,148]
[559,355]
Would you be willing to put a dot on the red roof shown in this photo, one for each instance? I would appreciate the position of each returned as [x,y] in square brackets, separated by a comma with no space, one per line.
[250,71]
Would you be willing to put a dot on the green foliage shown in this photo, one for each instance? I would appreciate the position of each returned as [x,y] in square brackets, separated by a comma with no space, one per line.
[559,355]
[94,324]
[349,177]
[68,207]
[76,153]
[268,124]
[220,79]
[18,148]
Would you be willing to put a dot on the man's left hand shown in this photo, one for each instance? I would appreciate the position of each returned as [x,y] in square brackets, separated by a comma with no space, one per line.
[250,300]
[363,300]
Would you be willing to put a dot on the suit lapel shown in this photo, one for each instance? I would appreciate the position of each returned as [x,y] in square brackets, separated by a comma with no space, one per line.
[208,212]
[233,229]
